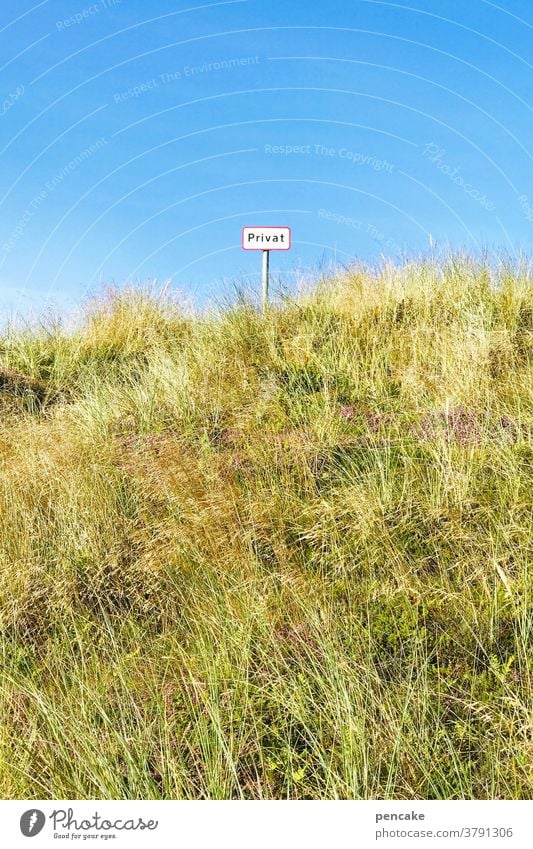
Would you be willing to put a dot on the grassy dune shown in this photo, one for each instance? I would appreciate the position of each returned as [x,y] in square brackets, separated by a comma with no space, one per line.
[251,556]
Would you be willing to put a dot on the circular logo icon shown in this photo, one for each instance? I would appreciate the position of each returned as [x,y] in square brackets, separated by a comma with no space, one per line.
[32,822]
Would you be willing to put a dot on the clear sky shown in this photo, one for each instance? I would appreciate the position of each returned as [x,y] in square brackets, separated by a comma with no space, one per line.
[137,138]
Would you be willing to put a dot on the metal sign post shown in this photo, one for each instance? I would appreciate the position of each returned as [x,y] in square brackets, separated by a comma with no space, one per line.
[266,239]
[266,264]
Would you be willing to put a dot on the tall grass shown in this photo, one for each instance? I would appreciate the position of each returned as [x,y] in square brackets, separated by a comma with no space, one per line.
[280,556]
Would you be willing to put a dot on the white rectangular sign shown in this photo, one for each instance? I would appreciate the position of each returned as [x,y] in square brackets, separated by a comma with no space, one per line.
[266,238]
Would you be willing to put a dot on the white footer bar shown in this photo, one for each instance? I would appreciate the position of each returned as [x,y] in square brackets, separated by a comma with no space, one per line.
[272,825]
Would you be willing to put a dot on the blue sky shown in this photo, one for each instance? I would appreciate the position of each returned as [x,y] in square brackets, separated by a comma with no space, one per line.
[137,138]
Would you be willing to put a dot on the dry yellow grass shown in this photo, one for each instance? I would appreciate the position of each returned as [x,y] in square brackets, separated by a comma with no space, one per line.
[272,556]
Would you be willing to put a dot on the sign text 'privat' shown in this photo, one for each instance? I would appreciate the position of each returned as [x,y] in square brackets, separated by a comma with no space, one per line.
[266,238]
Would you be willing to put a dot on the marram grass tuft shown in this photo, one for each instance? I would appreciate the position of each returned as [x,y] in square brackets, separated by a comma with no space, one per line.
[279,556]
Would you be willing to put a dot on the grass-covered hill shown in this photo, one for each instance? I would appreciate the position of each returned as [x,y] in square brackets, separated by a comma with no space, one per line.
[248,556]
